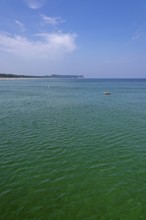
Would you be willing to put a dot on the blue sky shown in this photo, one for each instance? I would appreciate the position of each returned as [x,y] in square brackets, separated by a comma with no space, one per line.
[96,38]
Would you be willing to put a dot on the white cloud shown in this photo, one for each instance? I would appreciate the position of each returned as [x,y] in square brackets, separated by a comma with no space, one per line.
[21,25]
[137,35]
[38,50]
[48,46]
[35,4]
[52,20]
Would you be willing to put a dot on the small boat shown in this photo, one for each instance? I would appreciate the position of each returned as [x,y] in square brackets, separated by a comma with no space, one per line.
[106,93]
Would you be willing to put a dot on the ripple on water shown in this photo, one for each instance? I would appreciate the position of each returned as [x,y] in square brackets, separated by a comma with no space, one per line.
[69,153]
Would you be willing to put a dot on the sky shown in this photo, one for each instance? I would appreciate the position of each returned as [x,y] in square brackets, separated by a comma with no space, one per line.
[94,38]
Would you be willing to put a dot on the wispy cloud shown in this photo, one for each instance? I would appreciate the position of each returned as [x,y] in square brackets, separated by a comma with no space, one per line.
[49,45]
[140,32]
[37,48]
[139,35]
[51,20]
[136,36]
[20,25]
[35,4]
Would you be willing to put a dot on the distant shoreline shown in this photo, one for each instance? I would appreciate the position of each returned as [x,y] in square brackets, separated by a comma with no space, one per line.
[4,76]
[17,78]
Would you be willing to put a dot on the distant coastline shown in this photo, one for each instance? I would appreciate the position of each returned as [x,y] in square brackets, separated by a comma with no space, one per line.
[18,76]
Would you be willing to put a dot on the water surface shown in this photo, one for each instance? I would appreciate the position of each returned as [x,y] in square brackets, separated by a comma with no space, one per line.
[69,152]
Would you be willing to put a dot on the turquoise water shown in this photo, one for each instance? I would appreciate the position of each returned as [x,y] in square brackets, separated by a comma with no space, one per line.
[67,152]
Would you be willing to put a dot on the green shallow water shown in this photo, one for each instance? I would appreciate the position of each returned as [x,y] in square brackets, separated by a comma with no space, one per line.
[69,152]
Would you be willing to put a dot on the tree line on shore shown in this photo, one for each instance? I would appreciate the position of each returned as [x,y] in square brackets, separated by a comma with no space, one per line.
[5,75]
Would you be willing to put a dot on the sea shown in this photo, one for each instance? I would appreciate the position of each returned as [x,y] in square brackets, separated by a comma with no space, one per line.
[69,152]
